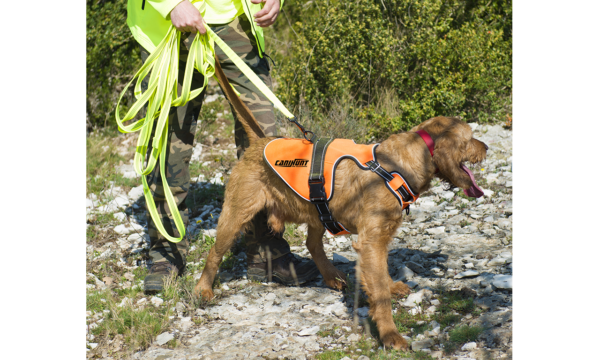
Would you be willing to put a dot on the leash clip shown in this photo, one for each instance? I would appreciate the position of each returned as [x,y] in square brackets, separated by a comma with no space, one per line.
[304,131]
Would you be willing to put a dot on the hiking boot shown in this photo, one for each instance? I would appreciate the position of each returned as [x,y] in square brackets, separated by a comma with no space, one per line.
[154,281]
[286,270]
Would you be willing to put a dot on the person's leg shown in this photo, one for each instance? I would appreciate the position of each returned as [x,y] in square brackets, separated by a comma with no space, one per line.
[165,255]
[262,243]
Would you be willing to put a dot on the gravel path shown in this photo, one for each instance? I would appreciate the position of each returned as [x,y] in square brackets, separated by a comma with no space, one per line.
[448,243]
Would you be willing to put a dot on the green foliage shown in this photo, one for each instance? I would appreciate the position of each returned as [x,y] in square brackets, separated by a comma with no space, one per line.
[465,333]
[438,58]
[360,69]
[112,58]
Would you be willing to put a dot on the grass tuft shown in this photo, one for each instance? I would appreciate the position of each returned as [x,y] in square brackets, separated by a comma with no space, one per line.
[465,333]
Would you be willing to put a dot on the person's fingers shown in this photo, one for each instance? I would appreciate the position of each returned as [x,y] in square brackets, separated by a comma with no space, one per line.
[265,10]
[200,27]
[269,17]
[258,1]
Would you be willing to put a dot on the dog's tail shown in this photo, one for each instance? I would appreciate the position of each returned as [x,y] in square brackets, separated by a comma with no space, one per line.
[244,115]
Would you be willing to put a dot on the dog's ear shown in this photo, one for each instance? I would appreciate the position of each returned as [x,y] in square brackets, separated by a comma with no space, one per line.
[448,156]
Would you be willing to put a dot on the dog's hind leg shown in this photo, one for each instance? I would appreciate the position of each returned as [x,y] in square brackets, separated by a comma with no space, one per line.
[376,282]
[239,209]
[333,277]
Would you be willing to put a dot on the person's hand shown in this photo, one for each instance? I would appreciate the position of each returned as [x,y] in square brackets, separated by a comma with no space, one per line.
[186,18]
[267,16]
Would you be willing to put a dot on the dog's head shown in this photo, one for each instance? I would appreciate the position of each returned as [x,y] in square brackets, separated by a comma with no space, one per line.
[454,146]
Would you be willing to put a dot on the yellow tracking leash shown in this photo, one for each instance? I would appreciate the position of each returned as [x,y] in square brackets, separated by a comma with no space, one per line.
[161,95]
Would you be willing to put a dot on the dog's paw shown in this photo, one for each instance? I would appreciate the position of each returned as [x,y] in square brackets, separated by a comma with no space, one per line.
[205,294]
[394,340]
[338,282]
[399,289]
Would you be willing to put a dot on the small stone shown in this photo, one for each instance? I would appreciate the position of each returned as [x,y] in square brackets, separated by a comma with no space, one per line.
[436,230]
[363,311]
[404,273]
[502,281]
[417,298]
[345,358]
[179,306]
[89,203]
[225,276]
[363,357]
[156,301]
[124,302]
[309,331]
[431,310]
[108,281]
[210,232]
[469,265]
[469,346]
[411,284]
[339,259]
[435,326]
[164,338]
[353,337]
[421,344]
[415,267]
[93,345]
[496,261]
[468,273]
[120,216]
[136,192]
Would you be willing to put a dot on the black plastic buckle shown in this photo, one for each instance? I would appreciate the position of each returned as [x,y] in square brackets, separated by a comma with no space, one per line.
[407,210]
[373,165]
[317,190]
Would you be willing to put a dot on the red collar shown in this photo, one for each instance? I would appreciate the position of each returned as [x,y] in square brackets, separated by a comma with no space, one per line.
[429,141]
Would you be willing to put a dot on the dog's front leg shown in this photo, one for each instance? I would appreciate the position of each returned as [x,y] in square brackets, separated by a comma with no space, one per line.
[333,278]
[376,282]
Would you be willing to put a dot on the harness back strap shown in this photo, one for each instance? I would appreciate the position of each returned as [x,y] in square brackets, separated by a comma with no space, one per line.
[316,186]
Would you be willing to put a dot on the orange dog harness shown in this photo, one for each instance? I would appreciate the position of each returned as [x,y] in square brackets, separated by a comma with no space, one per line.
[309,170]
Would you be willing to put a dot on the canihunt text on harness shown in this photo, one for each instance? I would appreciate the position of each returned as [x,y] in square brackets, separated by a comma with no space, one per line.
[291,163]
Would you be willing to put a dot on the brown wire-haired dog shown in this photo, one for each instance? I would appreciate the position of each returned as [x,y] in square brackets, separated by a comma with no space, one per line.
[361,202]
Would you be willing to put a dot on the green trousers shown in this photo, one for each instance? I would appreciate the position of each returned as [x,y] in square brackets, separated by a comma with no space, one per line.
[182,129]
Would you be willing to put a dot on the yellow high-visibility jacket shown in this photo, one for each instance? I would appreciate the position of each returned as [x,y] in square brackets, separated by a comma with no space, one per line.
[149,25]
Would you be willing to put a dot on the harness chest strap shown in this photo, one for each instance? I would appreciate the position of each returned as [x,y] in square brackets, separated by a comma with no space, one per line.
[396,184]
[316,185]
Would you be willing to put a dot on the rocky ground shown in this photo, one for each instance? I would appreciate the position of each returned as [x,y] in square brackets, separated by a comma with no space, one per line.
[455,252]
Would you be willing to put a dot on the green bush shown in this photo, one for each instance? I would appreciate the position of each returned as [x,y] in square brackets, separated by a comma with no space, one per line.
[112,58]
[437,58]
[360,69]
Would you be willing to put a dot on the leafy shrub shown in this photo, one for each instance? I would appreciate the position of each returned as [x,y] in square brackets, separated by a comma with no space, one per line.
[112,58]
[360,69]
[438,58]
